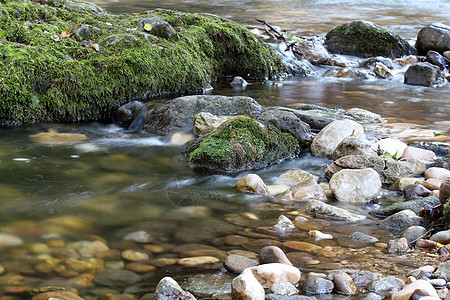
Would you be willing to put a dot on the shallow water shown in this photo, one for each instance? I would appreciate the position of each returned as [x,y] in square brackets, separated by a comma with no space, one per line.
[117,182]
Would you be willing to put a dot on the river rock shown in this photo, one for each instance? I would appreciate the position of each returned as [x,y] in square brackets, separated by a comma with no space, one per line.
[392,146]
[315,208]
[413,205]
[413,233]
[360,185]
[127,113]
[418,288]
[93,248]
[444,190]
[442,237]
[316,116]
[241,144]
[414,191]
[328,138]
[246,287]
[289,122]
[179,113]
[383,71]
[362,237]
[268,274]
[205,122]
[366,39]
[436,59]
[423,154]
[60,295]
[435,36]
[238,82]
[283,225]
[341,61]
[116,278]
[8,240]
[236,264]
[399,246]
[352,145]
[294,177]
[312,51]
[432,184]
[57,138]
[133,255]
[198,260]
[157,27]
[273,254]
[384,285]
[390,170]
[283,288]
[350,73]
[399,222]
[403,182]
[344,284]
[138,236]
[168,289]
[422,73]
[302,246]
[316,285]
[437,173]
[304,191]
[252,183]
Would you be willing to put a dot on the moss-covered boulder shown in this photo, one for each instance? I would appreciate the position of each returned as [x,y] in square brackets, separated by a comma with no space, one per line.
[366,39]
[67,60]
[241,144]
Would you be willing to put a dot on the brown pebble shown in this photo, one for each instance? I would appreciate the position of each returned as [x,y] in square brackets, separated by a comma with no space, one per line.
[162,262]
[236,240]
[16,290]
[117,297]
[140,268]
[60,295]
[195,261]
[112,254]
[312,262]
[302,246]
[133,255]
[154,248]
[56,243]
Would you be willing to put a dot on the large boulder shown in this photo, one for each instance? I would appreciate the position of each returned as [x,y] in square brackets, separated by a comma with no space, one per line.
[366,39]
[289,122]
[121,58]
[399,222]
[423,73]
[360,185]
[241,144]
[180,112]
[435,36]
[325,143]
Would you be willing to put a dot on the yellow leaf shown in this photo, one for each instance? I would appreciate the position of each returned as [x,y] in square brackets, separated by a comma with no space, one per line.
[95,46]
[147,27]
[65,33]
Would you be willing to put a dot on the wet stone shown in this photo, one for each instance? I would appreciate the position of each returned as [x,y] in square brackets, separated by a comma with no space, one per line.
[362,237]
[133,255]
[398,246]
[209,285]
[316,285]
[273,254]
[415,191]
[256,245]
[302,246]
[344,284]
[168,289]
[236,240]
[140,268]
[413,233]
[138,236]
[283,288]
[199,260]
[60,295]
[384,285]
[399,222]
[236,264]
[116,278]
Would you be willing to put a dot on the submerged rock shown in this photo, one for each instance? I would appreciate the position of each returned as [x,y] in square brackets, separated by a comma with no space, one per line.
[365,39]
[252,183]
[241,144]
[319,208]
[168,288]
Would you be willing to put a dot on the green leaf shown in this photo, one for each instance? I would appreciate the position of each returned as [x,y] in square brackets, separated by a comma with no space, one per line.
[147,27]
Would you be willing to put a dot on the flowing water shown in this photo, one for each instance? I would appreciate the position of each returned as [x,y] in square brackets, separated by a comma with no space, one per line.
[117,182]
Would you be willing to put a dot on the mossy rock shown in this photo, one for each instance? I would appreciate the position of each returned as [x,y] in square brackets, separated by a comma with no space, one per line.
[241,144]
[51,70]
[366,39]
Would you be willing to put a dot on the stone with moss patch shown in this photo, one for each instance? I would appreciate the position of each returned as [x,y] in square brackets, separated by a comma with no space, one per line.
[366,39]
[241,144]
[50,70]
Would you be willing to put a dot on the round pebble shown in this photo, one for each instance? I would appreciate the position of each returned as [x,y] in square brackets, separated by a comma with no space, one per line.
[140,268]
[134,255]
[195,261]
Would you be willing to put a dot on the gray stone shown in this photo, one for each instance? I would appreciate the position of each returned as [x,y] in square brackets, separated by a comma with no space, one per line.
[304,191]
[438,282]
[205,285]
[317,208]
[285,297]
[317,116]
[360,278]
[87,32]
[120,39]
[352,145]
[312,51]
[423,73]
[236,264]
[344,284]
[399,246]
[414,205]
[414,191]
[358,185]
[273,254]
[372,296]
[433,37]
[329,137]
[362,237]
[289,122]
[399,222]
[283,225]
[283,288]
[157,27]
[169,289]
[316,285]
[238,81]
[443,271]
[413,233]
[436,59]
[384,285]
[350,73]
[444,191]
[116,278]
[179,113]
[127,113]
[442,237]
[362,38]
[372,62]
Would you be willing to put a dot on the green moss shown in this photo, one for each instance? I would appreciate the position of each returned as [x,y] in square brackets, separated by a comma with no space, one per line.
[242,144]
[47,77]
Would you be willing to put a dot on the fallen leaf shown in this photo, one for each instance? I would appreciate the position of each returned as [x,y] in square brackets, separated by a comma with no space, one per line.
[96,47]
[65,33]
[147,27]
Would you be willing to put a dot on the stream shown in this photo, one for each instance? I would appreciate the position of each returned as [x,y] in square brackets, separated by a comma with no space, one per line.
[116,182]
